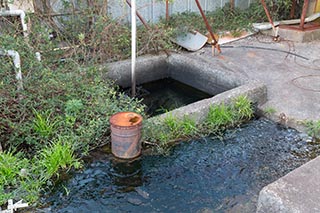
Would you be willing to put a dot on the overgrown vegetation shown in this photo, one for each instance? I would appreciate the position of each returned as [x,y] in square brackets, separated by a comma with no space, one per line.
[64,110]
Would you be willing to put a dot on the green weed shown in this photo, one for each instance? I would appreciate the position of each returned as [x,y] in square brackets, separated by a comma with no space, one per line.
[218,116]
[313,129]
[164,132]
[43,124]
[189,127]
[242,108]
[10,167]
[269,110]
[57,156]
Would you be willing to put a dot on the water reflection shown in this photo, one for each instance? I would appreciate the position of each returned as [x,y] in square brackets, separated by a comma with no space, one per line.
[126,174]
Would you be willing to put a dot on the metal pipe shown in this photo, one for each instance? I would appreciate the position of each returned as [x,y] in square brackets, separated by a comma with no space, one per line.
[139,16]
[17,65]
[269,17]
[22,15]
[167,10]
[206,22]
[303,14]
[133,47]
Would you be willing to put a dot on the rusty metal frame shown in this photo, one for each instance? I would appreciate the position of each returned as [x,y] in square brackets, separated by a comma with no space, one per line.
[167,10]
[215,40]
[303,13]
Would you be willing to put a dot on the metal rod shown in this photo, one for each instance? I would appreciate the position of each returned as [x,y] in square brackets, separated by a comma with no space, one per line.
[303,13]
[167,10]
[268,16]
[139,16]
[133,48]
[206,22]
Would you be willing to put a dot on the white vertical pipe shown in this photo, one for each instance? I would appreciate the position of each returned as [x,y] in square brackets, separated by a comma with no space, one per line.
[133,47]
[16,61]
[205,6]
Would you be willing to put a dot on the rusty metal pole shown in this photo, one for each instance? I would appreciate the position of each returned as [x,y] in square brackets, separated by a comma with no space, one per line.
[215,41]
[140,17]
[167,10]
[303,14]
[269,17]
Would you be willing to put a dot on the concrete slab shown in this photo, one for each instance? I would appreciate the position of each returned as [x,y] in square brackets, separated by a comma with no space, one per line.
[296,192]
[289,70]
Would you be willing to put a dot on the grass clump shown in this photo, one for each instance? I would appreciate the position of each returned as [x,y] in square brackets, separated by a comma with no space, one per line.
[163,133]
[313,129]
[26,177]
[57,156]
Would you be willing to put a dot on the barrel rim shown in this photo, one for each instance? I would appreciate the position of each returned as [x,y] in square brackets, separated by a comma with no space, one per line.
[137,124]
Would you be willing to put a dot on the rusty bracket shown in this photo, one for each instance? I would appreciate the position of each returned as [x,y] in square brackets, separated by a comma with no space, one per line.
[275,31]
[303,13]
[214,39]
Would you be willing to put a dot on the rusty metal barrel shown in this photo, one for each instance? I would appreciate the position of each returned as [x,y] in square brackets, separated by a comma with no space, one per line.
[126,134]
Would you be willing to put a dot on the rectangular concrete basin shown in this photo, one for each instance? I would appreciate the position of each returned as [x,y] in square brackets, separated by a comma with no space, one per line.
[198,73]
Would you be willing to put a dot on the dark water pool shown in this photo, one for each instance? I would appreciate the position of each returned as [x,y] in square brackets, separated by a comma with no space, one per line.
[167,94]
[206,175]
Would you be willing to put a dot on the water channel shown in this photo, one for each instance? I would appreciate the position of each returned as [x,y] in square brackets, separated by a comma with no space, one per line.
[205,175]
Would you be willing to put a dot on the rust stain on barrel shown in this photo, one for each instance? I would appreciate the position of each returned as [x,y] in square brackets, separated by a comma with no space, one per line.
[126,134]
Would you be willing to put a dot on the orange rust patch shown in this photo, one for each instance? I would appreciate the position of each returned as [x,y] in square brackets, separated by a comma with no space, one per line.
[125,119]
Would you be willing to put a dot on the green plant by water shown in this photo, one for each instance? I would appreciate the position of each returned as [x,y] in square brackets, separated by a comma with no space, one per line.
[163,133]
[313,129]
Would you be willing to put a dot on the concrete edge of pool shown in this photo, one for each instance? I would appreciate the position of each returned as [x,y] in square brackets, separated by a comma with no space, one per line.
[279,196]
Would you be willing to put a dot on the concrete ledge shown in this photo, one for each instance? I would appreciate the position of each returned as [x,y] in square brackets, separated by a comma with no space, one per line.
[300,36]
[148,68]
[298,191]
[255,91]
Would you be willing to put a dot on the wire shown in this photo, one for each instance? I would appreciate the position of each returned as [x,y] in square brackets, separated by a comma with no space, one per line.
[294,82]
[265,48]
[315,67]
